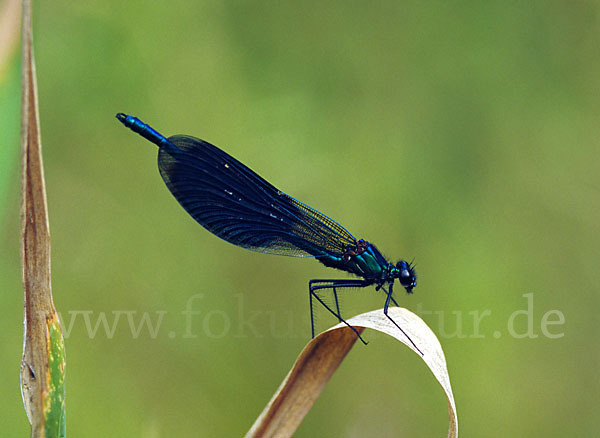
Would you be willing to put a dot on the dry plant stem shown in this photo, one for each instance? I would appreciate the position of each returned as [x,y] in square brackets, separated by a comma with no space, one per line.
[303,385]
[43,352]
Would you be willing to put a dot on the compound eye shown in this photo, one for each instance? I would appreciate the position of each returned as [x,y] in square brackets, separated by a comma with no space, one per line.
[405,277]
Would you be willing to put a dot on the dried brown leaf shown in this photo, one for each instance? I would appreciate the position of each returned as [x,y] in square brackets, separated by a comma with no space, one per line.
[42,365]
[321,357]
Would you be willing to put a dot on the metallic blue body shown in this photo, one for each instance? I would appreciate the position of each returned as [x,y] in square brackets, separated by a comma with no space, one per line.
[146,131]
[369,264]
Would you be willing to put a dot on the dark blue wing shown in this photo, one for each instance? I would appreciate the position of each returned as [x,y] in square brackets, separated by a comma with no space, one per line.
[237,205]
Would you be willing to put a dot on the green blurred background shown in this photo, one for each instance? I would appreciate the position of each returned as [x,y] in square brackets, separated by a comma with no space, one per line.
[464,134]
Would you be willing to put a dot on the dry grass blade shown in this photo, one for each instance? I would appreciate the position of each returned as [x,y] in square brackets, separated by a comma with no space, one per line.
[42,366]
[321,357]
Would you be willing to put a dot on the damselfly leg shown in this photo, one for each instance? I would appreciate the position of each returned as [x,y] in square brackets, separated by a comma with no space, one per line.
[324,284]
[385,311]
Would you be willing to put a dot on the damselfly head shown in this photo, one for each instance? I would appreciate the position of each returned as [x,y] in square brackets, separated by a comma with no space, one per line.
[406,275]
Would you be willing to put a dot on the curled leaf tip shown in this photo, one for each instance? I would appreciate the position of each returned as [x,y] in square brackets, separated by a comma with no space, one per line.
[322,355]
